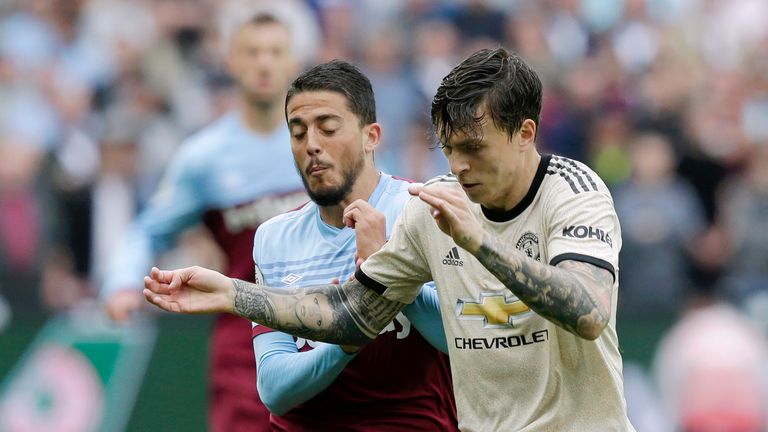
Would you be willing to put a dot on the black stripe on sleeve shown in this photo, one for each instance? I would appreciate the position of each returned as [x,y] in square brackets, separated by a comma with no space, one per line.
[572,173]
[570,182]
[579,168]
[584,258]
[368,282]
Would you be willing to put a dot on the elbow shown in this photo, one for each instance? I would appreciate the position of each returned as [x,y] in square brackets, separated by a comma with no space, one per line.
[591,329]
[272,399]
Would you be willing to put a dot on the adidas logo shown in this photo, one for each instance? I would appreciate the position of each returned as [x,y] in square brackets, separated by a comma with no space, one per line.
[452,258]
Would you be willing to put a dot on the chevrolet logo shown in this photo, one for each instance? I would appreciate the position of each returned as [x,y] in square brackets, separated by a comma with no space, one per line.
[496,310]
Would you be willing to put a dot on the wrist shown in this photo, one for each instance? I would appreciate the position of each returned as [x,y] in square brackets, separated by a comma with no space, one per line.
[229,296]
[474,243]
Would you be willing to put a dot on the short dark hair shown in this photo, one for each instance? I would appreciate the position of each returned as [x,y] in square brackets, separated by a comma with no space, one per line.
[341,77]
[500,79]
[262,18]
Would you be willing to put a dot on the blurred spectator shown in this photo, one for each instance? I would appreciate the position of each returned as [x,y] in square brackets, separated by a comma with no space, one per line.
[744,216]
[436,44]
[711,370]
[397,102]
[479,19]
[660,219]
[24,227]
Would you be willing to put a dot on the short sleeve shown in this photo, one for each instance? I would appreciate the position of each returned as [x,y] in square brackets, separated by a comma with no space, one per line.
[585,228]
[399,268]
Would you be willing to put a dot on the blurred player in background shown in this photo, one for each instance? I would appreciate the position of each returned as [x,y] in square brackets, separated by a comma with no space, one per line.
[523,249]
[331,114]
[230,176]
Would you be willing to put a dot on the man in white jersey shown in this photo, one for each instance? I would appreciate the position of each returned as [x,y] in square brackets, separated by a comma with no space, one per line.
[523,249]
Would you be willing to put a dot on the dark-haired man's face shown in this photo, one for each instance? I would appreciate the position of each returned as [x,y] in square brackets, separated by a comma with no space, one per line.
[327,141]
[489,162]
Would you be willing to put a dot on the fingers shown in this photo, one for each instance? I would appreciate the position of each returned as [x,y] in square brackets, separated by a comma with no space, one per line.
[351,216]
[357,211]
[161,302]
[415,189]
[445,202]
[156,287]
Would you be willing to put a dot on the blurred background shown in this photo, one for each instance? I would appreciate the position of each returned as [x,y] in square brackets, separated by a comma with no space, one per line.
[666,99]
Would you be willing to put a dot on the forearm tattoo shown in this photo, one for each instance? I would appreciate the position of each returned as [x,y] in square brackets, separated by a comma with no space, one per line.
[559,294]
[350,314]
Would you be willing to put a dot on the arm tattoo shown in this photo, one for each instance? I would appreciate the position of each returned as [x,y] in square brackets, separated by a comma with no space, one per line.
[574,295]
[350,314]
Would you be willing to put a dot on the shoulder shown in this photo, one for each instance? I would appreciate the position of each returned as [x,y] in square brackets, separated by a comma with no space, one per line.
[204,143]
[297,217]
[443,180]
[418,208]
[566,178]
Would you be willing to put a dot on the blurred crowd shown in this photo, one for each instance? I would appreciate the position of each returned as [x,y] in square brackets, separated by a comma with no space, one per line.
[666,99]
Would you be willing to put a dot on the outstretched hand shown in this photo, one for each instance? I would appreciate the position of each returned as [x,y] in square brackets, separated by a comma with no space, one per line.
[191,290]
[452,214]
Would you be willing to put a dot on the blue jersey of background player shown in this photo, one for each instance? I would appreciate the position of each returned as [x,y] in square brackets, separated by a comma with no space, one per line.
[231,176]
[315,386]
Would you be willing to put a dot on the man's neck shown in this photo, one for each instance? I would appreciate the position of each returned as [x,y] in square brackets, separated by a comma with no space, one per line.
[262,117]
[522,184]
[363,189]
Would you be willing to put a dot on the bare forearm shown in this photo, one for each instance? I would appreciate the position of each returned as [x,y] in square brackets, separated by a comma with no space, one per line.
[350,314]
[554,293]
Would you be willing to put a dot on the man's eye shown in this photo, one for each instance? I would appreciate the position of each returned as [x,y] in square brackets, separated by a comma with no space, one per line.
[299,135]
[328,132]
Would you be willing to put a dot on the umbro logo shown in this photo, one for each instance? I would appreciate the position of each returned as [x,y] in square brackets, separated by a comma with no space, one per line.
[290,279]
[452,259]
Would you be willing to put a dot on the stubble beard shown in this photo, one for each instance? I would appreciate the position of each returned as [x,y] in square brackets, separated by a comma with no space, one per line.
[333,196]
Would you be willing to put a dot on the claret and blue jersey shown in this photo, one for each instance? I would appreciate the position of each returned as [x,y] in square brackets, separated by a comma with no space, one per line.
[231,180]
[298,249]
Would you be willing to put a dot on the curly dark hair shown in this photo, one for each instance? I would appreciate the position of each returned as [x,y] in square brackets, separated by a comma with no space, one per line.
[341,77]
[500,80]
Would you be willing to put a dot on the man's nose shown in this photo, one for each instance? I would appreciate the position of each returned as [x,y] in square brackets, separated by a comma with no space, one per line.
[313,143]
[458,164]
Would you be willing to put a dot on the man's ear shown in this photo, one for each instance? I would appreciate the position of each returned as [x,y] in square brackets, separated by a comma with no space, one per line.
[371,137]
[528,133]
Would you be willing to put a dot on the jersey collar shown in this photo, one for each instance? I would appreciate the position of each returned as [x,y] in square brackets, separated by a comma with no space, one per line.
[508,215]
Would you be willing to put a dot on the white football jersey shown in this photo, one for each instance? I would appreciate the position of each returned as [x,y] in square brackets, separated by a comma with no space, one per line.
[514,370]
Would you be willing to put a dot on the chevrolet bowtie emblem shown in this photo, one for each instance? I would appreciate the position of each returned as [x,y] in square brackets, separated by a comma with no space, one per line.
[494,309]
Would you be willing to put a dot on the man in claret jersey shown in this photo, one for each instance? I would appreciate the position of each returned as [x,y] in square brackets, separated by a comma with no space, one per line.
[309,385]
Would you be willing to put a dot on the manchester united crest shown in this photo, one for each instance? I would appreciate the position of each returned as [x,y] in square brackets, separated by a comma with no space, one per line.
[529,244]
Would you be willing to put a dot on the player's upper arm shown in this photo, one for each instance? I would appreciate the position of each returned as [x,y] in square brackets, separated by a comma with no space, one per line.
[179,200]
[599,284]
[584,227]
[585,239]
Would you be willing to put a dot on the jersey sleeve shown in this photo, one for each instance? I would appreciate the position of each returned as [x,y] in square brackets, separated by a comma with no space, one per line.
[585,228]
[424,314]
[286,377]
[176,206]
[399,268]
